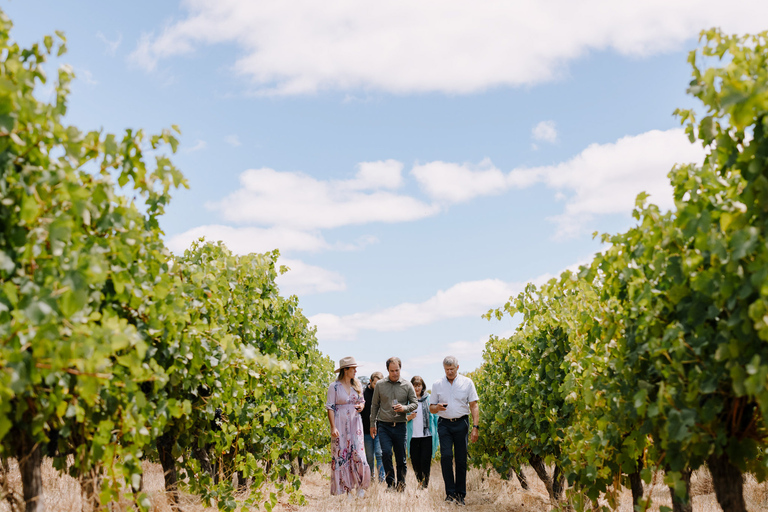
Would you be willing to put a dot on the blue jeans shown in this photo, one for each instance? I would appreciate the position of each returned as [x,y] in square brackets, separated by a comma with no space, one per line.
[373,449]
[454,437]
[392,438]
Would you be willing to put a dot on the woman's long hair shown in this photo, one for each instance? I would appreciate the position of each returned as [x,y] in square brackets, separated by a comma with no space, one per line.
[355,383]
[418,380]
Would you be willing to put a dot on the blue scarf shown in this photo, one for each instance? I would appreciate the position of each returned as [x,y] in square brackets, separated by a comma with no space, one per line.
[424,403]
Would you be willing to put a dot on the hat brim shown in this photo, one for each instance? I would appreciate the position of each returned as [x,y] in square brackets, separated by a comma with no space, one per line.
[337,370]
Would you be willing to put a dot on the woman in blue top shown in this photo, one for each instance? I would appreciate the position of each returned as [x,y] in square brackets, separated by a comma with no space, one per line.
[422,434]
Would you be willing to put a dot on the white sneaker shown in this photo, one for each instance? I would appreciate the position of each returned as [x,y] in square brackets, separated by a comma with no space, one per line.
[360,493]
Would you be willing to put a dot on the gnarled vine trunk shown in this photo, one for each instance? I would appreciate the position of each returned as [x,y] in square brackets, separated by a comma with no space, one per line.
[636,483]
[201,454]
[30,456]
[518,472]
[558,482]
[683,504]
[303,468]
[90,488]
[242,482]
[728,483]
[165,450]
[553,484]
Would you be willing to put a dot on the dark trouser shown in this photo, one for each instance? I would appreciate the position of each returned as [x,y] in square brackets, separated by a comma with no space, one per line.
[454,438]
[392,438]
[421,458]
[373,450]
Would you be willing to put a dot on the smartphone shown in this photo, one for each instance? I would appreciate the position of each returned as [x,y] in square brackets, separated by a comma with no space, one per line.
[444,404]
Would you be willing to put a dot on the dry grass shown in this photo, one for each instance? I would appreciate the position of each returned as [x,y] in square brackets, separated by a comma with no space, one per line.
[484,492]
[62,492]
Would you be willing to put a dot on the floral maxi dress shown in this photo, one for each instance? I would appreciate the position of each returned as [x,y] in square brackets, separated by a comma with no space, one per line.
[349,467]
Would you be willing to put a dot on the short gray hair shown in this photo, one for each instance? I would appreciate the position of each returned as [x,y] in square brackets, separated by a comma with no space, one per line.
[450,361]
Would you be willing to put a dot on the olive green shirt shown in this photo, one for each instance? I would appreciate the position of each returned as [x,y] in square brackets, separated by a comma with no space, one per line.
[383,394]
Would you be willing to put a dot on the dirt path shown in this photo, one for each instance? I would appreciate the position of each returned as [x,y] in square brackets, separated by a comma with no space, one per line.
[483,493]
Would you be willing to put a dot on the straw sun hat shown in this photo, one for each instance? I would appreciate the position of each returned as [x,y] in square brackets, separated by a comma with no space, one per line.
[346,362]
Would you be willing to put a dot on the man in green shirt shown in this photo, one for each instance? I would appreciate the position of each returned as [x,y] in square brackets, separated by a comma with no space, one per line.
[393,399]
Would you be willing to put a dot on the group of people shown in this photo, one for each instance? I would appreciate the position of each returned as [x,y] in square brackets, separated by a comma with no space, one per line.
[396,416]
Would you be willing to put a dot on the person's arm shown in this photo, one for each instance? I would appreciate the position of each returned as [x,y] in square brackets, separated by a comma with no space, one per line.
[374,410]
[413,402]
[331,420]
[359,402]
[435,407]
[475,410]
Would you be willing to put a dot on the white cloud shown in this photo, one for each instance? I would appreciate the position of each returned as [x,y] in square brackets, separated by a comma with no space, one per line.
[455,183]
[297,200]
[333,327]
[366,368]
[198,145]
[469,353]
[545,131]
[470,298]
[465,299]
[606,178]
[373,175]
[88,77]
[233,140]
[305,279]
[110,47]
[603,179]
[244,240]
[453,46]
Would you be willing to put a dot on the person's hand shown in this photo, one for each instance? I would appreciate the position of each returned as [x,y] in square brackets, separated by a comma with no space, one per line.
[373,431]
[335,433]
[359,407]
[475,435]
[411,416]
[398,408]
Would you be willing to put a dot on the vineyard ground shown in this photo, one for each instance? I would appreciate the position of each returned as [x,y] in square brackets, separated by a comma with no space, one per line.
[485,493]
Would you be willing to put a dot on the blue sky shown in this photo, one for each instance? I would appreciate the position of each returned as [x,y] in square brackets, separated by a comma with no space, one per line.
[416,163]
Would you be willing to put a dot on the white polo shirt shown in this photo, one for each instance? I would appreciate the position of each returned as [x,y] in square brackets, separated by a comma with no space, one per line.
[457,395]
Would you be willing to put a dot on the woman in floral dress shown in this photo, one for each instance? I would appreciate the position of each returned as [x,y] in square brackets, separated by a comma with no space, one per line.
[349,467]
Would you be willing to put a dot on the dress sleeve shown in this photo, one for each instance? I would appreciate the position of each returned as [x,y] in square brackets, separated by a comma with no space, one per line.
[330,403]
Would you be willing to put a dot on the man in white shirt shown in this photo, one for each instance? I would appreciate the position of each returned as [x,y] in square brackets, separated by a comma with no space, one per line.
[453,399]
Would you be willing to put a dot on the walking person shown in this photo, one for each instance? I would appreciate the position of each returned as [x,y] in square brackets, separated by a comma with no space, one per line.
[422,434]
[393,398]
[453,399]
[372,444]
[349,468]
